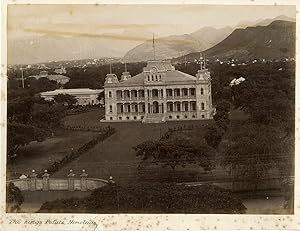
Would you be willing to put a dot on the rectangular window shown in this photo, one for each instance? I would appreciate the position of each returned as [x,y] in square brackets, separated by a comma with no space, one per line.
[192,91]
[186,107]
[202,106]
[185,91]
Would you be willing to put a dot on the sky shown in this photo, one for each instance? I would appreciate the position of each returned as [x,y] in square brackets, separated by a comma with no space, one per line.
[85,20]
[99,30]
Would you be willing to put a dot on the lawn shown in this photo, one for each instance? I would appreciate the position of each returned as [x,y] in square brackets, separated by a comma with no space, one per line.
[39,155]
[115,156]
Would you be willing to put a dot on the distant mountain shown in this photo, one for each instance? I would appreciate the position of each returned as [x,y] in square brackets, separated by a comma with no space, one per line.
[264,22]
[275,41]
[177,45]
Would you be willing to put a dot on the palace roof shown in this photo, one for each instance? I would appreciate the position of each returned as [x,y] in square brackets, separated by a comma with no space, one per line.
[170,76]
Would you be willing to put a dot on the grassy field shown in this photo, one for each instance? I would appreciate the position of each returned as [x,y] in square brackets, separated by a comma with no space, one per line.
[112,157]
[115,156]
[39,155]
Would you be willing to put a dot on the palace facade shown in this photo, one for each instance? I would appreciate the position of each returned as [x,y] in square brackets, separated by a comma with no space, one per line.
[158,94]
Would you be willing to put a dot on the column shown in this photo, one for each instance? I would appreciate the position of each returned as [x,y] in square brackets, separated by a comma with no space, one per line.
[122,91]
[129,94]
[46,181]
[71,180]
[173,92]
[33,176]
[83,177]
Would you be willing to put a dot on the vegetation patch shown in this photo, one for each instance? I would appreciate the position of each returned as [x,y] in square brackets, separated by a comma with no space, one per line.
[151,198]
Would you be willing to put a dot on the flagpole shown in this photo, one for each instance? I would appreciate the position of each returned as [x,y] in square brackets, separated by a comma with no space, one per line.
[153,47]
[22,77]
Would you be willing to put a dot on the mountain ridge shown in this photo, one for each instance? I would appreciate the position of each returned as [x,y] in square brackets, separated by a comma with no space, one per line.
[177,45]
[275,41]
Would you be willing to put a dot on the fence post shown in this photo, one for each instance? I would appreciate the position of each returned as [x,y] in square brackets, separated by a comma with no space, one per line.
[83,180]
[33,176]
[71,180]
[46,181]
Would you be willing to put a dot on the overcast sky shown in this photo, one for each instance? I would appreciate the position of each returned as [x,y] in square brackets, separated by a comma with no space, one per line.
[94,20]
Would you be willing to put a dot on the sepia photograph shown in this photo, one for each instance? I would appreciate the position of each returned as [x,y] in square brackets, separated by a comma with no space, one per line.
[150,109]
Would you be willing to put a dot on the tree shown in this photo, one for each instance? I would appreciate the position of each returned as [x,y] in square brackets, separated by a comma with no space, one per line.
[223,106]
[48,116]
[19,135]
[19,105]
[168,152]
[151,198]
[65,99]
[14,198]
[40,85]
[213,136]
[254,151]
[29,117]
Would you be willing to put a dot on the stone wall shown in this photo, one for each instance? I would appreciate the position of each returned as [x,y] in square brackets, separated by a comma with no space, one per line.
[71,183]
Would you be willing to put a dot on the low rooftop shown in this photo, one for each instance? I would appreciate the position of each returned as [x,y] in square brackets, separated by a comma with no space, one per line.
[75,91]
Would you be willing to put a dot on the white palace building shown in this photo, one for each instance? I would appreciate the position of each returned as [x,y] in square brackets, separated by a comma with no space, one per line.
[158,94]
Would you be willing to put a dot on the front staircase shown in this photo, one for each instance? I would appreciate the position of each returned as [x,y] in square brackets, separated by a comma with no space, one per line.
[154,118]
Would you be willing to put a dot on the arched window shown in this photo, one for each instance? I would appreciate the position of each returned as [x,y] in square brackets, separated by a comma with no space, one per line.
[201,91]
[109,94]
[156,78]
[110,108]
[202,106]
[148,77]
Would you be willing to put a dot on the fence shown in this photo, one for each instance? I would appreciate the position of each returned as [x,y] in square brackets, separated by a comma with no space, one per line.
[71,183]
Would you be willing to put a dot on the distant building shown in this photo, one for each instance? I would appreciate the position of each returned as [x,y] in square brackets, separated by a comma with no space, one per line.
[158,94]
[84,96]
[61,79]
[60,71]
